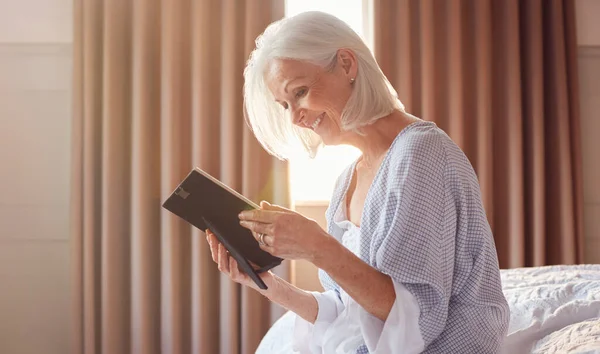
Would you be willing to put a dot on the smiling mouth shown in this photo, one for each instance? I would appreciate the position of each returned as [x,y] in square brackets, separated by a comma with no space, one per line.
[317,122]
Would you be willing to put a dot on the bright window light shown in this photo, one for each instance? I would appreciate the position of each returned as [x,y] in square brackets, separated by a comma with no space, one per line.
[312,180]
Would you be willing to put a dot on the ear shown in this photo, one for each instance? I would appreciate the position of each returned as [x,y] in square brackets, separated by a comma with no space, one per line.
[348,63]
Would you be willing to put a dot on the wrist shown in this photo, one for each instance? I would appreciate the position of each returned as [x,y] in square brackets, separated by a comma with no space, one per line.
[273,287]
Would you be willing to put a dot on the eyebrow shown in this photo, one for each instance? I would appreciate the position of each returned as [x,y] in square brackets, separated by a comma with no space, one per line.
[290,81]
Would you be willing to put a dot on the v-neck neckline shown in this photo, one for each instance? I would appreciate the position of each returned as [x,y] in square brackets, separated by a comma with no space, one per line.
[386,157]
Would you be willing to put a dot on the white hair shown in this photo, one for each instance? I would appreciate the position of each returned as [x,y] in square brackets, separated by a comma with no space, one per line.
[313,37]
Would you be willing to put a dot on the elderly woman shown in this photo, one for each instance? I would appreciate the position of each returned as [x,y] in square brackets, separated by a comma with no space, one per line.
[408,261]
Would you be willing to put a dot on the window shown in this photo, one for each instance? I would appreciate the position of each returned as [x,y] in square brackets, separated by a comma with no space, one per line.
[312,180]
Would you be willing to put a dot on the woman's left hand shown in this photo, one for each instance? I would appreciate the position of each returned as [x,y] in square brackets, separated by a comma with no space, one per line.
[287,234]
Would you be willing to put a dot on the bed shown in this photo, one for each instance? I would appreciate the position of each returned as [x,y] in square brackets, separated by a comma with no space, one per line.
[554,309]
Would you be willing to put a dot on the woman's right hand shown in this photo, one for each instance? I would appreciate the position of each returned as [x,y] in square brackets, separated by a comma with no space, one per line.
[279,291]
[228,265]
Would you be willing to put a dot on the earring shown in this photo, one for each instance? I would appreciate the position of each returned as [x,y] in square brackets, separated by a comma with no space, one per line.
[351,81]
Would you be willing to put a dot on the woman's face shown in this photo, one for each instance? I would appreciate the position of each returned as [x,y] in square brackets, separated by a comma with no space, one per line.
[314,97]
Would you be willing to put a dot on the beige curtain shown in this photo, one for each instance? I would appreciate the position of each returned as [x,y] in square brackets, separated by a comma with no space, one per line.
[500,77]
[157,91]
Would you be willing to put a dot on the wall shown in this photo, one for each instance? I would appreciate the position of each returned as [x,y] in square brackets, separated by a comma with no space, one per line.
[35,80]
[588,39]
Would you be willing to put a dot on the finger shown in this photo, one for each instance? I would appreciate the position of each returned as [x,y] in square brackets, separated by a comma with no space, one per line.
[268,249]
[269,240]
[264,216]
[268,206]
[257,227]
[223,259]
[234,272]
[212,243]
[209,241]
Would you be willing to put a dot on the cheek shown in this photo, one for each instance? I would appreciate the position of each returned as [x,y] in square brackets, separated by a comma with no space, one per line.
[324,100]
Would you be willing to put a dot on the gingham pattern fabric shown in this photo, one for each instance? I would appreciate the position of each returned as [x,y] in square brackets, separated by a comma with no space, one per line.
[424,225]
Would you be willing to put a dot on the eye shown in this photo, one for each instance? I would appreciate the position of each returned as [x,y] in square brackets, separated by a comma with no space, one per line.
[283,104]
[301,92]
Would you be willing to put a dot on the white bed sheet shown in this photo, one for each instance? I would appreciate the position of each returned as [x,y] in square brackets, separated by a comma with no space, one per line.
[544,300]
[554,309]
[578,338]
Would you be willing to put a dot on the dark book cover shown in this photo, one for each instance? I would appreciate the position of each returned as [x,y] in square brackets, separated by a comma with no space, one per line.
[207,203]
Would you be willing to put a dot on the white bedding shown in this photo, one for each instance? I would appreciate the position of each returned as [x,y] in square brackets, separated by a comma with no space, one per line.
[578,338]
[554,309]
[544,300]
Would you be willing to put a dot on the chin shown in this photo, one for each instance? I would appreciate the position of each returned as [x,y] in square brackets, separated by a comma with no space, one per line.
[330,139]
[328,135]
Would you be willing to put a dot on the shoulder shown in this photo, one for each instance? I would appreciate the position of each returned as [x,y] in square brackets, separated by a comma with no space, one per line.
[419,149]
[423,150]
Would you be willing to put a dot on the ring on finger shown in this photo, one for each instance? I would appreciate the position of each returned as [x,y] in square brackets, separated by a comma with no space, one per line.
[261,239]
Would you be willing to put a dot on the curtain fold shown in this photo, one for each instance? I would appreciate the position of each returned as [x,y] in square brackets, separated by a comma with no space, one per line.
[500,77]
[146,173]
[158,91]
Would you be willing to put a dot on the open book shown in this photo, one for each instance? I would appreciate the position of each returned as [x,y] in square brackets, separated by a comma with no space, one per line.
[207,203]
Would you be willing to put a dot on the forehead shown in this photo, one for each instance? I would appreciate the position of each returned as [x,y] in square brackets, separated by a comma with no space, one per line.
[280,71]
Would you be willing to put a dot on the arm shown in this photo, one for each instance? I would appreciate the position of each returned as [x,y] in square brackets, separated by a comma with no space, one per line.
[370,288]
[373,290]
[388,314]
[292,298]
[280,291]
[315,311]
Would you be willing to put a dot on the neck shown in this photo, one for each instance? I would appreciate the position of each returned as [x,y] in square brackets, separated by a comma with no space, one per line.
[378,137]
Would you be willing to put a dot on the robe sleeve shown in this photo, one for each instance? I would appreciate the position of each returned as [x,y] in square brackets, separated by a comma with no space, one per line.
[399,330]
[308,337]
[415,244]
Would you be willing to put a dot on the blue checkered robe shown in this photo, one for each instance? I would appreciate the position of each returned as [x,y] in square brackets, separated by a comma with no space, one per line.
[424,225]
